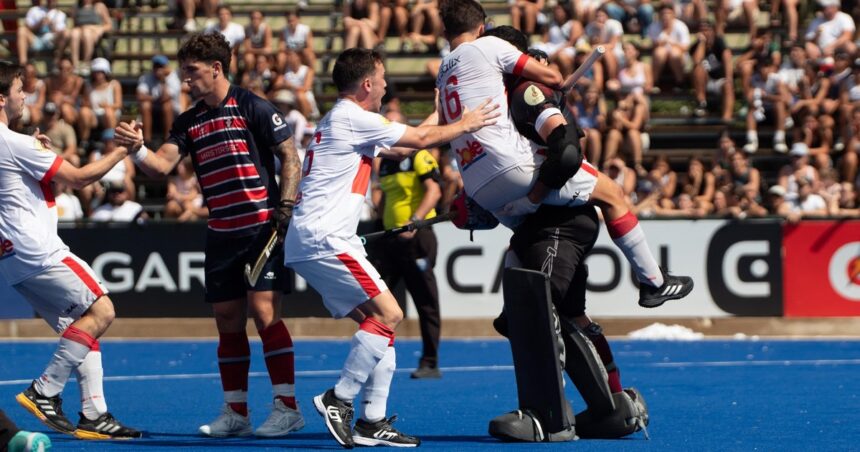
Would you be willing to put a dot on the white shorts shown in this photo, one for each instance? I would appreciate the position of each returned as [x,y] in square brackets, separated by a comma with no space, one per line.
[62,293]
[518,181]
[345,281]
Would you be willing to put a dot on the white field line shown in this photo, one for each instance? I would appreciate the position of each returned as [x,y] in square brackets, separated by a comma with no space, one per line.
[334,373]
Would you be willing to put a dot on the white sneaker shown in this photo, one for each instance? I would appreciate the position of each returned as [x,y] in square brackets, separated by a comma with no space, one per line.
[282,421]
[229,423]
[780,147]
[190,26]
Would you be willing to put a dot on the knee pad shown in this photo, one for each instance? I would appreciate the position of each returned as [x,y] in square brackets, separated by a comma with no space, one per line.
[564,157]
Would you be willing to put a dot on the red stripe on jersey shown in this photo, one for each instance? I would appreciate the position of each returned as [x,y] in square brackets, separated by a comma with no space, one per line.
[45,183]
[232,147]
[229,173]
[237,197]
[84,276]
[521,63]
[240,221]
[362,177]
[364,280]
[217,125]
[588,168]
[80,336]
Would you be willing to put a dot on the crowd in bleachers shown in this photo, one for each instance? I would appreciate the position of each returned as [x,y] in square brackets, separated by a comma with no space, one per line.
[795,86]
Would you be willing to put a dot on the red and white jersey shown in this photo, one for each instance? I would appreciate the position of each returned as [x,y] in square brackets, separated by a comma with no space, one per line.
[468,76]
[335,177]
[28,216]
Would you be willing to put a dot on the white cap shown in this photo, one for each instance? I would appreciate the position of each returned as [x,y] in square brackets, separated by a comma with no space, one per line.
[826,3]
[778,190]
[100,65]
[799,149]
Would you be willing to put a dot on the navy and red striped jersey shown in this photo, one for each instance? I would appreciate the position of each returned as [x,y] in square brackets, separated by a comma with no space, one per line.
[231,148]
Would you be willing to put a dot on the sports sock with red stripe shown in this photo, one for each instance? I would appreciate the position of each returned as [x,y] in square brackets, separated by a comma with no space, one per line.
[71,351]
[234,361]
[280,361]
[630,239]
[369,345]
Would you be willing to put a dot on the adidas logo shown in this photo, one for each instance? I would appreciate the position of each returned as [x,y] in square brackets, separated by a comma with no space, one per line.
[671,289]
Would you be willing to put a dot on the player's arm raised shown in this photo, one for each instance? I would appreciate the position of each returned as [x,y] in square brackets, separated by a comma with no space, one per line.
[429,136]
[79,178]
[154,164]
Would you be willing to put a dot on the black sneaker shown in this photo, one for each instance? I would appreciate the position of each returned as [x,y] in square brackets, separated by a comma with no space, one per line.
[673,288]
[381,433]
[104,427]
[338,417]
[49,410]
[426,372]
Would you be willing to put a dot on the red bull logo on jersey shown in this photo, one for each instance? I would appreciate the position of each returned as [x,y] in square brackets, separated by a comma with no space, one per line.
[7,248]
[471,153]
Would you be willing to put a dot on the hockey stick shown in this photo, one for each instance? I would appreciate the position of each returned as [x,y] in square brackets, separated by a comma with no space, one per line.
[570,81]
[407,227]
[252,274]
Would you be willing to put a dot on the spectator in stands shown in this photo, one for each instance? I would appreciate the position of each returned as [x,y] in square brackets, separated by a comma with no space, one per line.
[524,14]
[811,91]
[690,11]
[699,185]
[102,107]
[44,30]
[589,111]
[34,88]
[846,203]
[68,205]
[299,79]
[809,203]
[634,77]
[666,179]
[830,31]
[841,79]
[285,102]
[765,98]
[92,21]
[780,206]
[297,37]
[742,174]
[607,32]
[647,197]
[791,73]
[184,200]
[64,89]
[712,71]
[682,206]
[623,176]
[731,10]
[748,204]
[593,77]
[762,46]
[122,174]
[394,12]
[626,125]
[258,39]
[159,97]
[233,33]
[851,159]
[798,169]
[671,40]
[63,139]
[816,131]
[722,207]
[189,10]
[559,39]
[425,16]
[260,78]
[789,7]
[584,10]
[635,15]
[117,206]
[360,22]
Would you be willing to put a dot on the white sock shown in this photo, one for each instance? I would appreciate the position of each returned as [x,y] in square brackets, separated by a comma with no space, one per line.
[90,376]
[71,351]
[779,136]
[752,136]
[366,351]
[375,394]
[630,239]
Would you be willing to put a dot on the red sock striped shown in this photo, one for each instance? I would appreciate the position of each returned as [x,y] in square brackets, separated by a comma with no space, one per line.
[622,225]
[280,360]
[80,336]
[374,326]
[234,361]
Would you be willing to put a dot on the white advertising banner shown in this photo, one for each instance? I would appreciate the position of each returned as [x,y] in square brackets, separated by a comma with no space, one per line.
[735,266]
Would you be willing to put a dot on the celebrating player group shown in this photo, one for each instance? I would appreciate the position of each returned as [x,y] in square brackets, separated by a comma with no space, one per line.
[501,111]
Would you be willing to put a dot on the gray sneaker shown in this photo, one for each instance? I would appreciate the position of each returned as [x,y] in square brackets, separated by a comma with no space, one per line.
[282,421]
[229,423]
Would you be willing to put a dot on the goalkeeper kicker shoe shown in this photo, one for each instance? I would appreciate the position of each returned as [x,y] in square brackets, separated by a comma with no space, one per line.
[382,433]
[673,288]
[49,410]
[338,417]
[104,427]
[282,421]
[229,423]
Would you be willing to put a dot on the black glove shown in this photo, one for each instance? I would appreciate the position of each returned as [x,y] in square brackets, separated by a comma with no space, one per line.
[281,218]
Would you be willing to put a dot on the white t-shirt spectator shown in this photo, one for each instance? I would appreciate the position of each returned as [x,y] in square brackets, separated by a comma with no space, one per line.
[128,212]
[234,33]
[68,207]
[56,18]
[148,84]
[679,34]
[812,203]
[831,30]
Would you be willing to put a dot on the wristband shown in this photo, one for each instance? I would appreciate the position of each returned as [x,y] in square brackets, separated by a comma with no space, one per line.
[140,155]
[287,203]
[415,218]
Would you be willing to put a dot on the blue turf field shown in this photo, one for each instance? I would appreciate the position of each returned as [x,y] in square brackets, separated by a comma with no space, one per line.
[706,395]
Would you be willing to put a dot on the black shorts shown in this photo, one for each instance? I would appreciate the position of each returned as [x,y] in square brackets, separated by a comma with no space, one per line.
[555,240]
[226,257]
